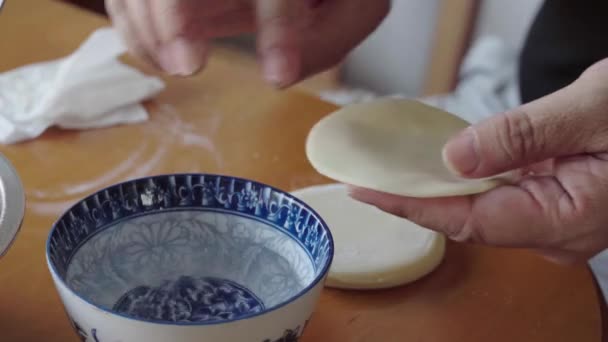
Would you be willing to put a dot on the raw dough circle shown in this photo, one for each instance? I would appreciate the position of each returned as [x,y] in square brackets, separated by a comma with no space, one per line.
[373,249]
[393,146]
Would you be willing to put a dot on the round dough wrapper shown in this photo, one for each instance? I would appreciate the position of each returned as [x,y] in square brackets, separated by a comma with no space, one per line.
[373,249]
[393,146]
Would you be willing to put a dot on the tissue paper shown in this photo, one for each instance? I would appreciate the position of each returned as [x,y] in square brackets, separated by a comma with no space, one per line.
[88,89]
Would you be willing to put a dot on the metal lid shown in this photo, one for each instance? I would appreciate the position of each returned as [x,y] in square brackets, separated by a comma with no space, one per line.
[12,204]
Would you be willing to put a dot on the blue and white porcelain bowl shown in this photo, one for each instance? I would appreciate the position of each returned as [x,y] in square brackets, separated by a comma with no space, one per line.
[189,257]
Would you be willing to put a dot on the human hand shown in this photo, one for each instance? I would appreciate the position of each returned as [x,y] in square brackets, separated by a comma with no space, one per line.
[295,38]
[558,207]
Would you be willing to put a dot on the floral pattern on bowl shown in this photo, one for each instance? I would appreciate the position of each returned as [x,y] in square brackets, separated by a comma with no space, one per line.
[188,249]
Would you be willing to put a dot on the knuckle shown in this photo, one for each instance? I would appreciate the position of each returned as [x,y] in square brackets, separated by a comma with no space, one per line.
[582,208]
[469,231]
[517,136]
[395,209]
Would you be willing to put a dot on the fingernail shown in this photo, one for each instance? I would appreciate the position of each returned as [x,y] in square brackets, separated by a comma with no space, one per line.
[461,153]
[360,194]
[179,57]
[351,190]
[278,67]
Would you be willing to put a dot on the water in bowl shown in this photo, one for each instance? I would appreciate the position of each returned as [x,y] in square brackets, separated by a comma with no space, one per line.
[189,266]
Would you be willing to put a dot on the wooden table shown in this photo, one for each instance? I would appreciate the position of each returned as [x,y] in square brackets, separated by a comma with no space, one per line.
[226,120]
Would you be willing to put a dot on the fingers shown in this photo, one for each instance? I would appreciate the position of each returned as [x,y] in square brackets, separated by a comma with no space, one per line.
[562,141]
[119,13]
[467,219]
[563,123]
[194,19]
[173,34]
[296,38]
[339,26]
[279,40]
[230,23]
[299,38]
[446,215]
[509,216]
[182,46]
[142,23]
[560,215]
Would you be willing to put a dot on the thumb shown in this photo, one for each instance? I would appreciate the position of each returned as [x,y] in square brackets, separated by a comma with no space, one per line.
[564,123]
[278,39]
[297,38]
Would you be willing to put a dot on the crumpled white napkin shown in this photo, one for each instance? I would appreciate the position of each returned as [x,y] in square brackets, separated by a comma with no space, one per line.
[90,88]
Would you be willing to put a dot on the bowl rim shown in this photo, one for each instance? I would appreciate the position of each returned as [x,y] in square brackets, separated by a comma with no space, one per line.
[320,276]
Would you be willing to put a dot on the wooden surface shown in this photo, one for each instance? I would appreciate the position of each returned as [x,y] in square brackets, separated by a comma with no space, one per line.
[225,120]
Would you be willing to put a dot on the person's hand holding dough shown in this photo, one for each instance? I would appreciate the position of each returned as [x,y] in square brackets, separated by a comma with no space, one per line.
[295,38]
[559,207]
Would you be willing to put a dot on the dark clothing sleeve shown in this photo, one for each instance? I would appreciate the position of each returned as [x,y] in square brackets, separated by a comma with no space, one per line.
[566,37]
